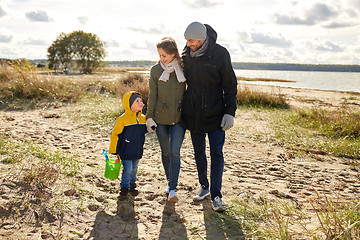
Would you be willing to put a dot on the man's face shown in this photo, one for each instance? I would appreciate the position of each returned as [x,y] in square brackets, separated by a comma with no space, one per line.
[194,44]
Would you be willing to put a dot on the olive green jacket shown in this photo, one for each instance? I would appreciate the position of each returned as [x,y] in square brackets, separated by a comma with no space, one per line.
[164,104]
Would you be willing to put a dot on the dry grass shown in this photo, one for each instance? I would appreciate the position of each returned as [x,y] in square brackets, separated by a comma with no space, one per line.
[326,218]
[20,84]
[114,70]
[341,123]
[248,97]
[134,82]
[262,79]
[18,80]
[329,132]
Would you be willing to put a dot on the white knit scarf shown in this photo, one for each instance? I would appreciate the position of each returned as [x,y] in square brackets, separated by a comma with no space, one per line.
[169,68]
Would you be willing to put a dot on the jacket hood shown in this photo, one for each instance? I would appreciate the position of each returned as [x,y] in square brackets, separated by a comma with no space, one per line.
[126,101]
[211,33]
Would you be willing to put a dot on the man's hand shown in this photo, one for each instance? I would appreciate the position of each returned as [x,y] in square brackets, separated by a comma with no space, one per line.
[227,122]
[150,125]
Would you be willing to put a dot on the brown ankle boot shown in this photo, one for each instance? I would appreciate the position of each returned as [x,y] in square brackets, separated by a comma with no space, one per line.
[123,194]
[133,190]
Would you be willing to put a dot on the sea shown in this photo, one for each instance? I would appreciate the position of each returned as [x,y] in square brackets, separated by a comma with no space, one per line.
[335,81]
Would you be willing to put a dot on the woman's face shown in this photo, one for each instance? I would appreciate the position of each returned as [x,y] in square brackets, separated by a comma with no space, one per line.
[164,57]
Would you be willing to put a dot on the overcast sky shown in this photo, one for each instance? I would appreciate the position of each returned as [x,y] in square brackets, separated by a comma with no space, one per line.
[304,31]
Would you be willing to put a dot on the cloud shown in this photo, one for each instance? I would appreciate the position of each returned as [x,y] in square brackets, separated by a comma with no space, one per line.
[266,39]
[317,13]
[329,46]
[324,46]
[112,43]
[5,39]
[152,30]
[355,3]
[38,16]
[202,3]
[83,19]
[2,12]
[39,42]
[142,45]
[340,25]
[8,53]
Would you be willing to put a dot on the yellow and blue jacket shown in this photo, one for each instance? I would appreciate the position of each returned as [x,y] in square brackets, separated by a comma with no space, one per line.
[128,136]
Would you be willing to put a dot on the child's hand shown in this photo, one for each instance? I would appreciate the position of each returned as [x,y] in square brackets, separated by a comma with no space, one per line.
[151,125]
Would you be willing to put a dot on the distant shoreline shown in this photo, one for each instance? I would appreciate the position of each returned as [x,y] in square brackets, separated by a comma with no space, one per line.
[271,88]
[243,66]
[297,67]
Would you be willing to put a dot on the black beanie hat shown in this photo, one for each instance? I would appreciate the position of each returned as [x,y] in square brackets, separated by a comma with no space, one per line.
[133,97]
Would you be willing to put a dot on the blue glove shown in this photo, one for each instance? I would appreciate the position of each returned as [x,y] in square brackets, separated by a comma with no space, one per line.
[227,122]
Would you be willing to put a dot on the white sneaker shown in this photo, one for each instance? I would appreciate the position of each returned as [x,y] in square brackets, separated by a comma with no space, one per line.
[167,189]
[218,206]
[173,197]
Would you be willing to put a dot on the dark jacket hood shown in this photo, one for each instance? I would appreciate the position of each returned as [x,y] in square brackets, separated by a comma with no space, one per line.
[211,33]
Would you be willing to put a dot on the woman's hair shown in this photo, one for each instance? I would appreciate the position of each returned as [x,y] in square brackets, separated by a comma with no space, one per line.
[168,44]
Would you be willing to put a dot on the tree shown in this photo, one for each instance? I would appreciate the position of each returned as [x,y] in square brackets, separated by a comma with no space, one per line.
[80,49]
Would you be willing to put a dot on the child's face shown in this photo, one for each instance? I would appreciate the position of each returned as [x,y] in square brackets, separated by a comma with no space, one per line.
[137,105]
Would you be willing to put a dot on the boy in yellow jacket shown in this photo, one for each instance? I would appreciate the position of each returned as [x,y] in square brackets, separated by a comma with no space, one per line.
[127,141]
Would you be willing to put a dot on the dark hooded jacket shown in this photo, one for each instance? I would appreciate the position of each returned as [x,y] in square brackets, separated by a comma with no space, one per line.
[211,87]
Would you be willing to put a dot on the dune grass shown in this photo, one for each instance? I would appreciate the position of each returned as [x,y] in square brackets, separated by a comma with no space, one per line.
[22,87]
[261,218]
[36,173]
[250,98]
[337,124]
[318,131]
[19,80]
[262,79]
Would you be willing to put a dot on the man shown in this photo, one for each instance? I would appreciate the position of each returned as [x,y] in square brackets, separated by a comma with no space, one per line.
[209,105]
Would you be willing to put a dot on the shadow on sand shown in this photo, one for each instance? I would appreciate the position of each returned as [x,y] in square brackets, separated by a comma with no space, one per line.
[121,225]
[173,225]
[220,225]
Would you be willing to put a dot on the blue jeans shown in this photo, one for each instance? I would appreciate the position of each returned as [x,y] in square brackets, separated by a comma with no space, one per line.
[170,139]
[216,141]
[129,172]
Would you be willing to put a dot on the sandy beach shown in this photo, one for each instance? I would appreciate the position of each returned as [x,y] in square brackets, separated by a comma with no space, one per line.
[253,167]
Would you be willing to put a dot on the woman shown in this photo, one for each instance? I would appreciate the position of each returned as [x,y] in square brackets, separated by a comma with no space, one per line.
[167,85]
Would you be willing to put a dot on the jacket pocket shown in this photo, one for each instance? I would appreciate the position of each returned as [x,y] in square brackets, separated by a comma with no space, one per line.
[214,106]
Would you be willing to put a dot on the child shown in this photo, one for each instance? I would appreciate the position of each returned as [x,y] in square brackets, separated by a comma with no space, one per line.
[127,141]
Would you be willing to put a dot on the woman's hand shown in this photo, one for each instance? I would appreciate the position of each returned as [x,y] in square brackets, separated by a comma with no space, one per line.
[151,125]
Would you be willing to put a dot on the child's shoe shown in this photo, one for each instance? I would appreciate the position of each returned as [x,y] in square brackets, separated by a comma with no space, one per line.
[123,194]
[167,189]
[133,190]
[173,197]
